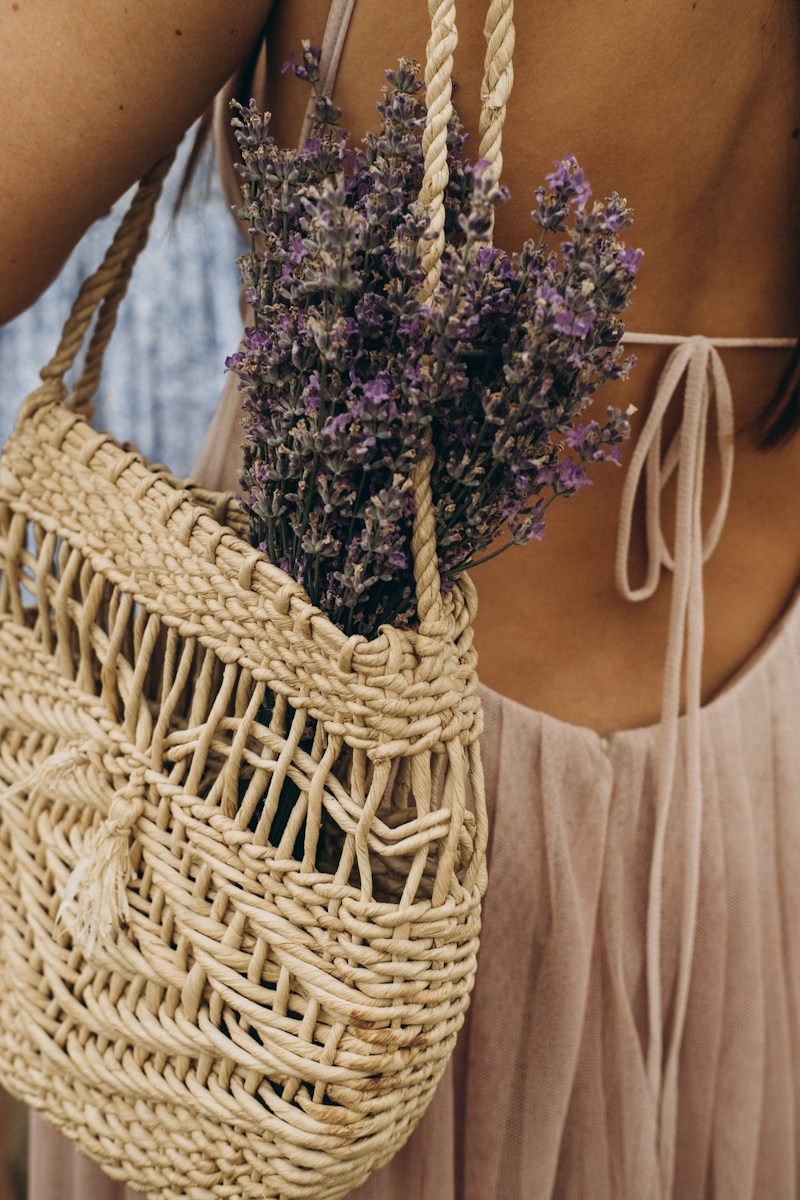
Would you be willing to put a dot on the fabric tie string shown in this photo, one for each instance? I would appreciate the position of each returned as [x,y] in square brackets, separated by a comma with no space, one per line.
[695,360]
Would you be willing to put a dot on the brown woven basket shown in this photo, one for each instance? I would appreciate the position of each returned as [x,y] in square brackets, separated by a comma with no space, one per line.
[209,1008]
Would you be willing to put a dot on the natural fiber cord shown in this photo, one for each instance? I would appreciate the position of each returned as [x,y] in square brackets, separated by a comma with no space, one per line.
[213,997]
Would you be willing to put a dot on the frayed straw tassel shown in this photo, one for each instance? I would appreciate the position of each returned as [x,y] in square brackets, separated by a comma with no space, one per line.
[95,902]
[51,770]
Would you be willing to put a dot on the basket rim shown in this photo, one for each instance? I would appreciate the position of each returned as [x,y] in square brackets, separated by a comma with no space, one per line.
[187,505]
[198,575]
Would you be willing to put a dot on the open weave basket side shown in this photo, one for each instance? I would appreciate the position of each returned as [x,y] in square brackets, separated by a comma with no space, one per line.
[259,1004]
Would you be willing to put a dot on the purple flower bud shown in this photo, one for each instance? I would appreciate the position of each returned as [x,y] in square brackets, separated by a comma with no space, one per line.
[629,259]
[308,68]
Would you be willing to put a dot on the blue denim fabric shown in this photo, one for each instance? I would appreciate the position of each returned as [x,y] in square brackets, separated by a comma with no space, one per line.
[164,369]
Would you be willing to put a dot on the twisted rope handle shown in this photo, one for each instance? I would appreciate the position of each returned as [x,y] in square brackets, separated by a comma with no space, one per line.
[498,79]
[439,102]
[495,90]
[102,291]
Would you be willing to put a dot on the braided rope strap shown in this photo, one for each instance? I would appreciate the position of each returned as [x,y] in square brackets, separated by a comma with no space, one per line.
[101,293]
[495,91]
[439,102]
[497,81]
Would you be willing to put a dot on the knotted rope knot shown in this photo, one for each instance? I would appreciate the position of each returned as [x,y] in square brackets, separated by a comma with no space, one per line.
[51,391]
[126,807]
[95,902]
[430,647]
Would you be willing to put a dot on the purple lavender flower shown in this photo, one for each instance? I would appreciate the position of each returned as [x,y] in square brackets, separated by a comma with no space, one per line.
[345,371]
[308,67]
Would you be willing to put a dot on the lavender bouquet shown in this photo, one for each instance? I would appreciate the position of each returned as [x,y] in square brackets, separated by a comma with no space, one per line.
[346,373]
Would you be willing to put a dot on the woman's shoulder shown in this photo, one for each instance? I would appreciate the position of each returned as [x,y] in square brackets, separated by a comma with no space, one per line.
[92,95]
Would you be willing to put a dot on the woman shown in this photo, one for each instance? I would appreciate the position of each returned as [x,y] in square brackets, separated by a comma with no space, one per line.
[632,1034]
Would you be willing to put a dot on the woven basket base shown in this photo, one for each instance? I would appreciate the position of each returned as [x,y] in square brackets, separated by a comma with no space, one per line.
[206,1159]
[263,1015]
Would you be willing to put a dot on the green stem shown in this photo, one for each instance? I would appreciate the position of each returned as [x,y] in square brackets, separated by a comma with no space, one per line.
[467,566]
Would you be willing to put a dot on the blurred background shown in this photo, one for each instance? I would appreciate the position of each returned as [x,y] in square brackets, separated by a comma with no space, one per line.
[162,377]
[164,369]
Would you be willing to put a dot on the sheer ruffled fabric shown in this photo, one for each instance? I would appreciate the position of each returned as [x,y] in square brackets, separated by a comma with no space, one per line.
[548,1096]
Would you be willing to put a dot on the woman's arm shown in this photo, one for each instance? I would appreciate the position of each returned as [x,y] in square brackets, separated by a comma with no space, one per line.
[92,94]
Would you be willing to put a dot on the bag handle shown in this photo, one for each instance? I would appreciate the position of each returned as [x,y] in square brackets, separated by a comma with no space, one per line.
[498,78]
[101,293]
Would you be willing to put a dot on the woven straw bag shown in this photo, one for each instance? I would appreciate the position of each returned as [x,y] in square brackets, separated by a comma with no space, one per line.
[204,1012]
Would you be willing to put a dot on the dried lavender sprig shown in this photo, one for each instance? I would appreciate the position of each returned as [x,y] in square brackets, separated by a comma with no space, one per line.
[346,369]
